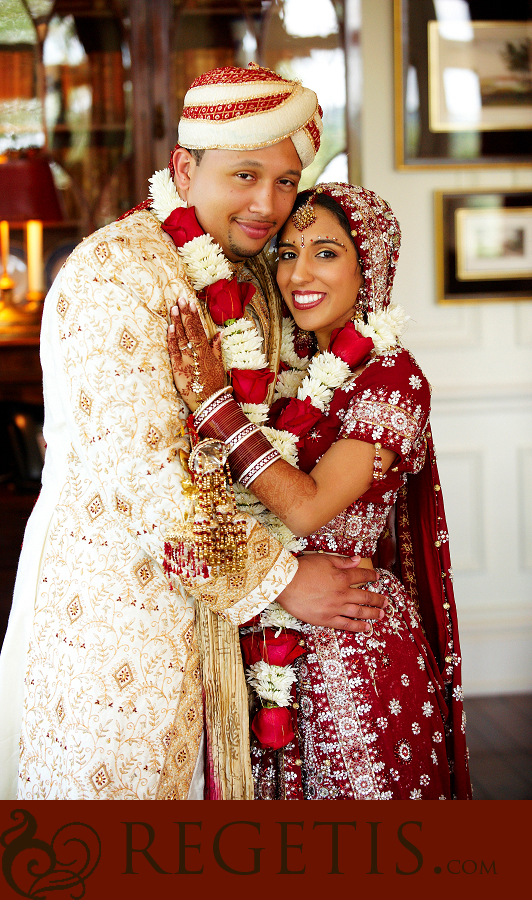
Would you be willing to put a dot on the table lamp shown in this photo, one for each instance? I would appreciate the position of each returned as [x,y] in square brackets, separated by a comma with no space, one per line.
[28,197]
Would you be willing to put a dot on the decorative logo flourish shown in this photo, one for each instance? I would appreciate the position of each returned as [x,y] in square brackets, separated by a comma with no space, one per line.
[34,868]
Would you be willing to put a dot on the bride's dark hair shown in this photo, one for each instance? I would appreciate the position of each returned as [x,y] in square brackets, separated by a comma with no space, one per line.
[328,203]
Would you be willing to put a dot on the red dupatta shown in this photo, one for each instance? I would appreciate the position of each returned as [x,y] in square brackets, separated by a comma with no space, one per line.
[423,564]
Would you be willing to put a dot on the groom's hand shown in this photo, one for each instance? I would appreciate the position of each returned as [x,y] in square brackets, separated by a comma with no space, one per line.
[324,591]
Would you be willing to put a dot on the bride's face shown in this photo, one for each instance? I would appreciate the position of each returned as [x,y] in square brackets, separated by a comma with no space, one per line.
[319,274]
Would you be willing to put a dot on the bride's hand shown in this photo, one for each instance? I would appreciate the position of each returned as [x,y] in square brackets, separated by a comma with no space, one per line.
[197,365]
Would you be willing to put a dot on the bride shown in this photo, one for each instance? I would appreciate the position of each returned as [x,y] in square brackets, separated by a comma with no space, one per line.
[343,462]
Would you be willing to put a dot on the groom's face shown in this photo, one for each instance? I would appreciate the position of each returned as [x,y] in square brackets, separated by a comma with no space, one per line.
[242,197]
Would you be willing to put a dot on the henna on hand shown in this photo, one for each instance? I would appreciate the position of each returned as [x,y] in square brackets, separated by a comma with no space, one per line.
[192,357]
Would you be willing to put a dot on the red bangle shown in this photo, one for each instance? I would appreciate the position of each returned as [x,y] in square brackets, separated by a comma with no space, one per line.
[250,453]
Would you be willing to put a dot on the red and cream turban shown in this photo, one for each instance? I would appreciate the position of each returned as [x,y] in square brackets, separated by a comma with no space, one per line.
[245,109]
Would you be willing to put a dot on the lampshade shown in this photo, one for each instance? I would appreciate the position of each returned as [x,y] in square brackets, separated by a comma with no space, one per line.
[27,189]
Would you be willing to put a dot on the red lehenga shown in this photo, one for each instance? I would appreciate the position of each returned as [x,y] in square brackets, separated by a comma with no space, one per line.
[380,716]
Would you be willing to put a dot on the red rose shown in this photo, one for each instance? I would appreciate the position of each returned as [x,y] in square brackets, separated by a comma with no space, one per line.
[228,299]
[277,651]
[298,417]
[350,345]
[251,385]
[182,225]
[273,726]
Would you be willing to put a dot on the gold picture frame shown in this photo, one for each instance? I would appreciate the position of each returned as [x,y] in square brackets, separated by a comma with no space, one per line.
[425,137]
[478,76]
[483,245]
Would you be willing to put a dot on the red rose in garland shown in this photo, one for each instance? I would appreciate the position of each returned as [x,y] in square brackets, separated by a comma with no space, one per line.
[228,299]
[182,225]
[251,385]
[348,344]
[273,726]
[298,417]
[276,651]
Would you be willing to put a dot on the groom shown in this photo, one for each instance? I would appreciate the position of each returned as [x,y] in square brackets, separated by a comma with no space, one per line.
[99,676]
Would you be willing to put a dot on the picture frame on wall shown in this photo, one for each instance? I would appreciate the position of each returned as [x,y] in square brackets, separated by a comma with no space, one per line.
[483,245]
[463,84]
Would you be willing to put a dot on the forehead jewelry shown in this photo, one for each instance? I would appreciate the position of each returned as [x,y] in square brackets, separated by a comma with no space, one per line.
[305,215]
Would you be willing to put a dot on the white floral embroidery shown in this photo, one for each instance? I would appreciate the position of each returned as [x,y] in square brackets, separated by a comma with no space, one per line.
[405,680]
[415,382]
[425,779]
[415,728]
[458,693]
[427,709]
[437,737]
[415,794]
[395,707]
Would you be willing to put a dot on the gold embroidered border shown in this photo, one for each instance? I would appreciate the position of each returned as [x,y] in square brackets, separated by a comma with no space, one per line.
[183,739]
[223,592]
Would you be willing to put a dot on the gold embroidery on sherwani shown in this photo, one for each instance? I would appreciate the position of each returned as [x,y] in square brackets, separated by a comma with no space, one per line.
[222,593]
[113,694]
[181,742]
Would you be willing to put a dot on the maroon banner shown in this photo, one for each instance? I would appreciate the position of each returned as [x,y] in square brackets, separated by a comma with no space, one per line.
[84,849]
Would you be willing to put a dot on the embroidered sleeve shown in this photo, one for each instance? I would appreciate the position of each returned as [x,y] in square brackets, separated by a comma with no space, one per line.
[240,596]
[392,410]
[124,414]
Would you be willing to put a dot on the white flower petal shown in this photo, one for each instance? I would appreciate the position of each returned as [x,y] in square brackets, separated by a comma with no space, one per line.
[164,194]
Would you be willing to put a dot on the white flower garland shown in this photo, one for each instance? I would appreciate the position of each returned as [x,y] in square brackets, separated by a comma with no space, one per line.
[272,683]
[274,616]
[204,259]
[384,328]
[242,348]
[164,196]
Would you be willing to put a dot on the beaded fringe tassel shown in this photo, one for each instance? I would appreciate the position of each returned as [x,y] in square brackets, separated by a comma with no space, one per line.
[214,542]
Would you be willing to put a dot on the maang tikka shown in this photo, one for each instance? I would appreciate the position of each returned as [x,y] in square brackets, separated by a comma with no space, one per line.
[305,215]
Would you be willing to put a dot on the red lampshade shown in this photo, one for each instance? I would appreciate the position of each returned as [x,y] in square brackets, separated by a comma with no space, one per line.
[27,189]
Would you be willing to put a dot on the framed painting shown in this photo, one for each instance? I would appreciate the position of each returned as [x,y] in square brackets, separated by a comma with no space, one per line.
[463,83]
[483,245]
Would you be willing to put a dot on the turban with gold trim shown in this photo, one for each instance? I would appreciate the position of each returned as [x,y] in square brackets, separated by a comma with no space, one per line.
[246,109]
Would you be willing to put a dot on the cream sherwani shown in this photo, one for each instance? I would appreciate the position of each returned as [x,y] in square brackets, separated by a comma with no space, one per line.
[100,688]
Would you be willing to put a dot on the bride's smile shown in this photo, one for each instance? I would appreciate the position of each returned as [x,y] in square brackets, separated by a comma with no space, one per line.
[319,274]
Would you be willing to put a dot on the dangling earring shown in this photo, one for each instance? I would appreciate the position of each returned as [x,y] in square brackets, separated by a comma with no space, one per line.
[358,312]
